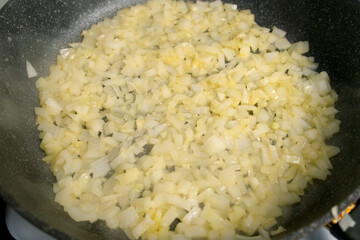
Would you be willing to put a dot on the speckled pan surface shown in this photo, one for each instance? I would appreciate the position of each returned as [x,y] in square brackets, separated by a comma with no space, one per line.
[35,30]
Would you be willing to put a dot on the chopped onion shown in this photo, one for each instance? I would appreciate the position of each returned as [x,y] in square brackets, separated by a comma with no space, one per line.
[100,167]
[31,72]
[335,212]
[346,222]
[214,145]
[184,116]
[278,32]
[282,43]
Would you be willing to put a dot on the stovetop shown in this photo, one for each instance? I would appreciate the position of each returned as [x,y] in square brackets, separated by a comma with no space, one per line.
[3,229]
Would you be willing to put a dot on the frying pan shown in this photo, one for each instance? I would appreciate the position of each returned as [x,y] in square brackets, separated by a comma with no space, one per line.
[35,30]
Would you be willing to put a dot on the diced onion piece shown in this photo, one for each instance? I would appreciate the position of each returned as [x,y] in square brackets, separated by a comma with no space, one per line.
[278,32]
[31,72]
[53,106]
[64,52]
[169,216]
[214,145]
[141,227]
[346,222]
[195,231]
[227,176]
[301,47]
[282,43]
[291,159]
[193,213]
[80,215]
[335,212]
[100,167]
[128,217]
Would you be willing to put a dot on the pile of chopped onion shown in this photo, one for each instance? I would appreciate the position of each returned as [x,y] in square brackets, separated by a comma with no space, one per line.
[180,120]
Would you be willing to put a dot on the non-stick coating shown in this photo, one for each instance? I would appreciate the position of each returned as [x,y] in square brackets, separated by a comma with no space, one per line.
[35,30]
